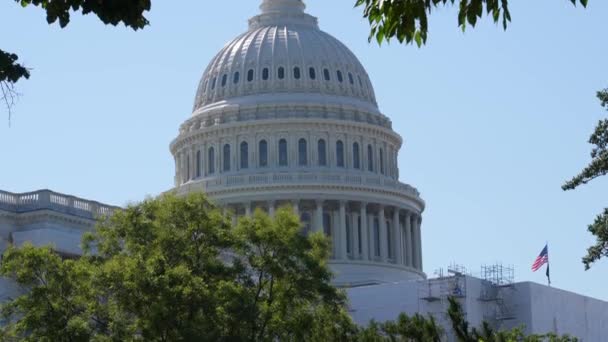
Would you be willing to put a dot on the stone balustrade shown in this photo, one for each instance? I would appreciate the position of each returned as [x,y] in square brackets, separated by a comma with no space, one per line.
[46,199]
[306,178]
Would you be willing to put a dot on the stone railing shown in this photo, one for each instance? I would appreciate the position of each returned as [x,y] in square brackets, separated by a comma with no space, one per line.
[305,178]
[46,199]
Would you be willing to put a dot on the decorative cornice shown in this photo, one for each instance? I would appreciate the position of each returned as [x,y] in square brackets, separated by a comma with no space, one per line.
[335,126]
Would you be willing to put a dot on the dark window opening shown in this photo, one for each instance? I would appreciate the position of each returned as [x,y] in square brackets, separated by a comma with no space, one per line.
[250,75]
[322,151]
[296,73]
[244,155]
[312,73]
[340,153]
[226,158]
[282,152]
[281,73]
[356,156]
[263,153]
[265,74]
[302,152]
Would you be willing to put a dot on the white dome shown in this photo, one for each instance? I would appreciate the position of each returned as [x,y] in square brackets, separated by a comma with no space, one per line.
[284,51]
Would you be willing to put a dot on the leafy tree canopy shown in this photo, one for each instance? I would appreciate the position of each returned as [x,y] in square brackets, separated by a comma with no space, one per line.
[130,13]
[173,269]
[597,167]
[407,20]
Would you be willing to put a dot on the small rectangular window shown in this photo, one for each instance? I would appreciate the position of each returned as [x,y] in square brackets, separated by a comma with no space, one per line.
[312,73]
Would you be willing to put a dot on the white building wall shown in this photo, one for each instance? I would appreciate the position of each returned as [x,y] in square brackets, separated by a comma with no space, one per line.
[539,309]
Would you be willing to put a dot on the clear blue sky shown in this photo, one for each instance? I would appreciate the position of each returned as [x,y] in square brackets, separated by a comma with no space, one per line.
[494,122]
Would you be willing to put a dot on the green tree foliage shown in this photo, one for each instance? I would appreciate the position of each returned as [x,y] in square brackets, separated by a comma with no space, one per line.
[597,168]
[130,13]
[486,333]
[407,20]
[173,269]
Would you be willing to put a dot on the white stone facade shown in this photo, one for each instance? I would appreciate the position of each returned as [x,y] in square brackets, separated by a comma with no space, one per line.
[286,115]
[45,218]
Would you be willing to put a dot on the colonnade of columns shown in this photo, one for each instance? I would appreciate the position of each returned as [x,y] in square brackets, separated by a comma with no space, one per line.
[359,230]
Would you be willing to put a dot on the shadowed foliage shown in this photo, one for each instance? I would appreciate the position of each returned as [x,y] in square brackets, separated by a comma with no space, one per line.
[407,20]
[597,167]
[114,12]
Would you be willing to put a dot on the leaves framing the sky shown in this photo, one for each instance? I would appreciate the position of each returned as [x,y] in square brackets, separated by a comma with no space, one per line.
[598,167]
[407,20]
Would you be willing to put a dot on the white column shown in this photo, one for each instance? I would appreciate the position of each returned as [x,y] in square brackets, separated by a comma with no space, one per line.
[383,236]
[271,208]
[364,232]
[354,227]
[419,241]
[193,163]
[343,253]
[372,237]
[415,239]
[248,209]
[397,236]
[318,227]
[296,208]
[235,218]
[409,259]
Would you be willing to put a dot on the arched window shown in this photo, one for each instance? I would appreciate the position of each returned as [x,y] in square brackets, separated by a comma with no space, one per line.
[211,160]
[213,83]
[263,146]
[350,78]
[283,152]
[326,74]
[370,158]
[322,152]
[226,157]
[224,80]
[339,73]
[265,74]
[340,153]
[237,77]
[198,163]
[250,75]
[376,237]
[281,73]
[302,152]
[312,73]
[244,155]
[296,73]
[381,161]
[356,156]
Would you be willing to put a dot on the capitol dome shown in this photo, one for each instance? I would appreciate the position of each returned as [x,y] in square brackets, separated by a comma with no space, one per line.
[285,54]
[285,114]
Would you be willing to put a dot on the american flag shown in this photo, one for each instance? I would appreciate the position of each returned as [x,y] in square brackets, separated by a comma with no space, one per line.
[541,259]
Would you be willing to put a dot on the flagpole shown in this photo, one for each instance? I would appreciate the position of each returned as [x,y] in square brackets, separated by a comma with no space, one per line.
[548,263]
